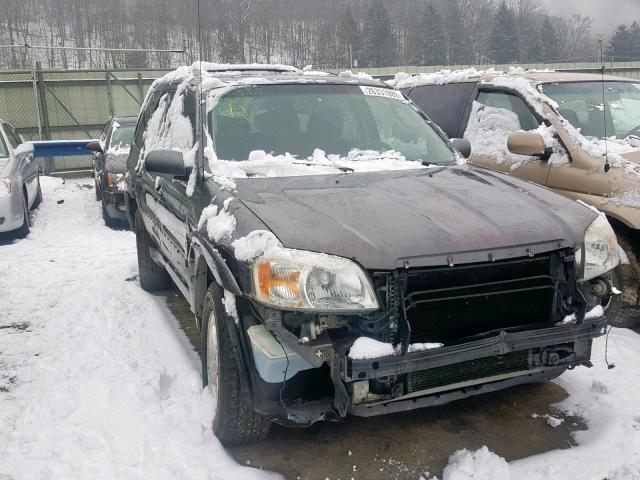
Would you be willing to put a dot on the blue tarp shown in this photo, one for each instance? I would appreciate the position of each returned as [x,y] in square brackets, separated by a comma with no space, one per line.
[61,148]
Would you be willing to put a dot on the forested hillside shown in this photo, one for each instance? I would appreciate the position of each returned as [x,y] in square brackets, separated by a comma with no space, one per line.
[325,33]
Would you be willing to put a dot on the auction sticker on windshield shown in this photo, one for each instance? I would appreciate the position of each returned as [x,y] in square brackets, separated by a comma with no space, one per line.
[381,92]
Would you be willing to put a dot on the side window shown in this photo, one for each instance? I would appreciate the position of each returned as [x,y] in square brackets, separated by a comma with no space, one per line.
[510,103]
[172,124]
[12,135]
[104,136]
[494,116]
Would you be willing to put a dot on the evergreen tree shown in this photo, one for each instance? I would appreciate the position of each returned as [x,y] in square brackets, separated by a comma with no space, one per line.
[459,48]
[432,38]
[350,35]
[379,39]
[531,44]
[550,41]
[621,44]
[504,41]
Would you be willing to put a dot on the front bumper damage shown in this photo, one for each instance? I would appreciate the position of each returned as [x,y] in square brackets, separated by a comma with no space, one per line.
[433,377]
[501,324]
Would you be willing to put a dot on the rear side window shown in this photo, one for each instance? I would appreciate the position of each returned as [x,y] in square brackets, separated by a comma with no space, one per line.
[172,124]
[444,104]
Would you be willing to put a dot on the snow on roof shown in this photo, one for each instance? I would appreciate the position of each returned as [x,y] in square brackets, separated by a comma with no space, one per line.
[443,77]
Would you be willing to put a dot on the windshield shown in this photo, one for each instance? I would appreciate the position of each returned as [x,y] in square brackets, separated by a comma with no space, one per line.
[298,119]
[581,104]
[122,137]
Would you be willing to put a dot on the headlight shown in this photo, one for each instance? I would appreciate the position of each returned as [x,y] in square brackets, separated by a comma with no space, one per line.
[5,187]
[599,252]
[299,280]
[113,179]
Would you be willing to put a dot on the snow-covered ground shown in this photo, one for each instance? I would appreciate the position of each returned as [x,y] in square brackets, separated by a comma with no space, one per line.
[608,401]
[97,380]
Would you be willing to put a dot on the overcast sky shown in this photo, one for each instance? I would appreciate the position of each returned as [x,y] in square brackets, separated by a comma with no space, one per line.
[606,14]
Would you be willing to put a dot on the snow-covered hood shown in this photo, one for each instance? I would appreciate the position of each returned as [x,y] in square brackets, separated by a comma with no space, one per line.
[459,214]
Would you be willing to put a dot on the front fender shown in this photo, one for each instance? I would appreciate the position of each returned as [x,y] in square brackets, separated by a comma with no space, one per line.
[629,216]
[212,259]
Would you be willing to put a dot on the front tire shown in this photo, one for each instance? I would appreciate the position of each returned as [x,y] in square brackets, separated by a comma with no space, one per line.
[38,200]
[234,420]
[153,277]
[25,228]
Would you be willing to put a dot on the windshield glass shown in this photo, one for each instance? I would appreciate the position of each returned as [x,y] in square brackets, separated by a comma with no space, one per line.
[298,119]
[122,137]
[581,104]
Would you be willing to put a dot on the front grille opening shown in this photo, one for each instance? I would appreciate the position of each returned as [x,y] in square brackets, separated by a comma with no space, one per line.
[470,370]
[449,304]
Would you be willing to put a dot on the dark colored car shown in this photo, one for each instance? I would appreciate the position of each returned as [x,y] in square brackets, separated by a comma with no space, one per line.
[109,163]
[341,258]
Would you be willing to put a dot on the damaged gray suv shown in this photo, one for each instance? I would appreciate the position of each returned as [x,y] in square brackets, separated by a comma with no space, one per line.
[340,257]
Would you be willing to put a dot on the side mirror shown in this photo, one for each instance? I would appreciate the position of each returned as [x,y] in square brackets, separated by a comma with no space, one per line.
[94,147]
[166,162]
[24,149]
[530,144]
[462,145]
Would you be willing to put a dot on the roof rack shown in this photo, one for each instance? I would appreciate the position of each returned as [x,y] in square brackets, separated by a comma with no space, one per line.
[249,68]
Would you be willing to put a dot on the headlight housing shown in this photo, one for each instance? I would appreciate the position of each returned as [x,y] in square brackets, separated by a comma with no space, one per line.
[599,253]
[300,280]
[5,187]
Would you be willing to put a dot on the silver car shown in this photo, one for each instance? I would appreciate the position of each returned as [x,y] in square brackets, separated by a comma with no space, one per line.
[19,181]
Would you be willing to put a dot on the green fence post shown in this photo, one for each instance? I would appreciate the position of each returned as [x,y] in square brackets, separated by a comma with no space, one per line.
[107,77]
[140,88]
[44,115]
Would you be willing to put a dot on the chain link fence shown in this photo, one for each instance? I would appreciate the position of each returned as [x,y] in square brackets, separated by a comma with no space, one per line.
[65,105]
[76,104]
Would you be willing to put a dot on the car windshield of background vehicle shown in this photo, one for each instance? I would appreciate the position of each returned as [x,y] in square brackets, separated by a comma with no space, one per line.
[581,104]
[298,119]
[122,137]
[3,149]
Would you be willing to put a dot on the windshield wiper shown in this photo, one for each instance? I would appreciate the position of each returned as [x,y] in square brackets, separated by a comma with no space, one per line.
[425,163]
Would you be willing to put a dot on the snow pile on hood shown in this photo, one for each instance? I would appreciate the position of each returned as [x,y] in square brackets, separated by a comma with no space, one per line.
[479,465]
[365,348]
[262,164]
[219,222]
[488,131]
[255,245]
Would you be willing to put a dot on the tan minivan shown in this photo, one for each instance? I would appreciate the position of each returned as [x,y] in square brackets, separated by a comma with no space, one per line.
[549,128]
